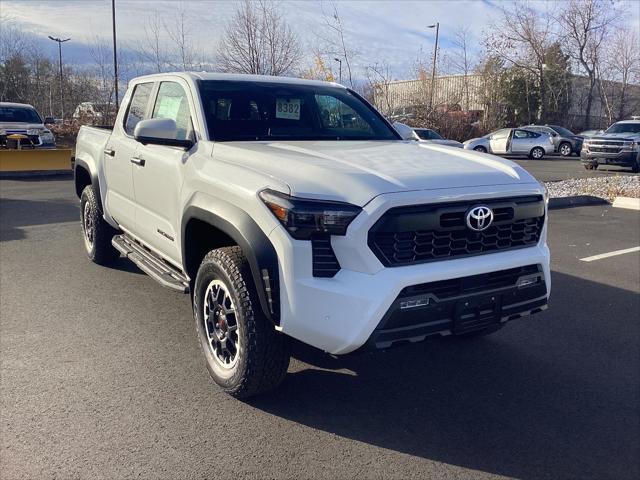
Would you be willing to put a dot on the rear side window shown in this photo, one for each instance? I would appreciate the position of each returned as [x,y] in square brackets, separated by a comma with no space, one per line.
[172,103]
[138,106]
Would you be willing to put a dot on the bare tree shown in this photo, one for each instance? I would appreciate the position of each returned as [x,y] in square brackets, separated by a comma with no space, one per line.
[585,26]
[258,40]
[461,60]
[622,64]
[152,49]
[335,40]
[178,32]
[521,39]
[379,78]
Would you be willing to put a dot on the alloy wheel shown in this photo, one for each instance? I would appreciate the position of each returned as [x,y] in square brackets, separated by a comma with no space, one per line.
[221,325]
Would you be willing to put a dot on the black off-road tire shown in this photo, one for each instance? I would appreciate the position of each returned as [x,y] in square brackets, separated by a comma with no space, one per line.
[263,352]
[591,166]
[98,242]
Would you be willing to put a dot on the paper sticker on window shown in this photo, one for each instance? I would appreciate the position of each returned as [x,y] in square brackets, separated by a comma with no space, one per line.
[288,108]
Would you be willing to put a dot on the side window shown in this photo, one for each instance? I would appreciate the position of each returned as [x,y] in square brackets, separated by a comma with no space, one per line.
[533,135]
[337,115]
[138,106]
[521,134]
[172,103]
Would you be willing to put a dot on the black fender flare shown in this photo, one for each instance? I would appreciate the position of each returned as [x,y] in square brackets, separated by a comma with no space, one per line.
[256,246]
[92,176]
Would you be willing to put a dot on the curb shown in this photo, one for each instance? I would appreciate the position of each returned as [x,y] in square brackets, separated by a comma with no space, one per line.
[576,201]
[627,202]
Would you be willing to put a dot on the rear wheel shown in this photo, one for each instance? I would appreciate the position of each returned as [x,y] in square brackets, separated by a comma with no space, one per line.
[591,166]
[536,153]
[480,148]
[565,149]
[245,354]
[96,232]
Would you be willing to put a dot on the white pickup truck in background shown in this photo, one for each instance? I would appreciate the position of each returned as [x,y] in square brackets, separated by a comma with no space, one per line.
[292,208]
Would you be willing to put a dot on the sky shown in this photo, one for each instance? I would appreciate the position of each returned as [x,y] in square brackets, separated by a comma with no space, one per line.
[391,31]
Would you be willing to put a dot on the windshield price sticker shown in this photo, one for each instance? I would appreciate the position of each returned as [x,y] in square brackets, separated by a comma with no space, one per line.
[288,108]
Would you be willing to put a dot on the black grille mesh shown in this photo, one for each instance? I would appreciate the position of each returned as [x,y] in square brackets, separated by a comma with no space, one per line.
[325,263]
[449,237]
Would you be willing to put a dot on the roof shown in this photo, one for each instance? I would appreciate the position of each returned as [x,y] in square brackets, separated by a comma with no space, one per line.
[239,77]
[12,104]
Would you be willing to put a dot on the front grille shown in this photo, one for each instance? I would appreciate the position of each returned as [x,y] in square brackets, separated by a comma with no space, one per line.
[605,149]
[325,263]
[425,233]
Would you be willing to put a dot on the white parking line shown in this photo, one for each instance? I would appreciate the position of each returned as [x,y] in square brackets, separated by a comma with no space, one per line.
[610,254]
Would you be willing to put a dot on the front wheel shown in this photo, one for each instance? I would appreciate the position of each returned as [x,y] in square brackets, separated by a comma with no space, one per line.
[480,148]
[245,354]
[536,153]
[96,232]
[565,149]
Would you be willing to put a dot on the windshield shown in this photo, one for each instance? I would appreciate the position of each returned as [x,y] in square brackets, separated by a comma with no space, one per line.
[266,111]
[426,134]
[624,128]
[19,115]
[565,132]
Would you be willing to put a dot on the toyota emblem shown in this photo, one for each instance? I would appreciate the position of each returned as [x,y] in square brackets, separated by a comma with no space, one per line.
[479,218]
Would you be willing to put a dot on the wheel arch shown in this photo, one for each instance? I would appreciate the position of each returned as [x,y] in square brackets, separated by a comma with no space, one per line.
[223,224]
[83,176]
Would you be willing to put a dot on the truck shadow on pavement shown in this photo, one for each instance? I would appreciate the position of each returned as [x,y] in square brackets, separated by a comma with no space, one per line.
[15,214]
[552,396]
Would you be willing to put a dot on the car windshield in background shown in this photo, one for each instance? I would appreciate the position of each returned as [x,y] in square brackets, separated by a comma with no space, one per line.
[19,115]
[624,128]
[245,110]
[565,132]
[426,134]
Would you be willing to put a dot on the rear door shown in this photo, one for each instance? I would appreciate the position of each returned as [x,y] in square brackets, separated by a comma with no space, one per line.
[159,174]
[120,149]
[521,142]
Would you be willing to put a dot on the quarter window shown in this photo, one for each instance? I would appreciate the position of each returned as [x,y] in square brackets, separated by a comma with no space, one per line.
[172,103]
[138,106]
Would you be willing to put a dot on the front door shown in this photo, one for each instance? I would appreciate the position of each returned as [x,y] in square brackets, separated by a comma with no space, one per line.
[121,147]
[159,173]
[499,141]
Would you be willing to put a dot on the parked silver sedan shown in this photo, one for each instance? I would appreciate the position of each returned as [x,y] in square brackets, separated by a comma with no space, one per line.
[513,141]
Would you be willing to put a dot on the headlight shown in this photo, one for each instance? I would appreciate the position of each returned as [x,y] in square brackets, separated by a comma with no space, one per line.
[34,131]
[3,131]
[303,217]
[47,136]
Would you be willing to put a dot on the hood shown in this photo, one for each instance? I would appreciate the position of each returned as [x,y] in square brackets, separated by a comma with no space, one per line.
[448,143]
[357,171]
[616,136]
[20,126]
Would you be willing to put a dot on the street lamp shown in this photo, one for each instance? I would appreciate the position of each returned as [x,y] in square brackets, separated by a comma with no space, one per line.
[435,56]
[340,69]
[60,42]
[115,55]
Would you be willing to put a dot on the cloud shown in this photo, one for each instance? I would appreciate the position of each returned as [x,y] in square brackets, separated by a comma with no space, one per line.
[392,31]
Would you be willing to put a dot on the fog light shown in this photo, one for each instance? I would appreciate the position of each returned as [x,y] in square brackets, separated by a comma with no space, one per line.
[527,282]
[420,302]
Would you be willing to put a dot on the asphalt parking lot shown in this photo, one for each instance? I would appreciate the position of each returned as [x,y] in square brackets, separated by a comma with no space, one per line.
[555,168]
[102,377]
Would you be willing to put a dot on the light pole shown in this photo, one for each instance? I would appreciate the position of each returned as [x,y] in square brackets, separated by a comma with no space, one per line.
[339,69]
[435,56]
[60,42]
[115,54]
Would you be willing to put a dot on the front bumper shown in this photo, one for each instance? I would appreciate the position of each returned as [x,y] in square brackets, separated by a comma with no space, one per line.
[340,314]
[623,159]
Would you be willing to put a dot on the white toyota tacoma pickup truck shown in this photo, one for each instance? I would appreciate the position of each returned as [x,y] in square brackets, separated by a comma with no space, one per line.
[292,208]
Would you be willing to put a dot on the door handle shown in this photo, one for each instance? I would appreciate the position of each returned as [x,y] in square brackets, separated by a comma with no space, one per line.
[109,152]
[138,161]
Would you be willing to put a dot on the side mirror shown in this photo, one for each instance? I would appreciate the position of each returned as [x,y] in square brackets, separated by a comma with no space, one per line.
[49,120]
[160,131]
[554,134]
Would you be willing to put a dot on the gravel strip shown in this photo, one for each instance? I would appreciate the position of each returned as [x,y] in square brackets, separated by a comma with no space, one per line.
[604,187]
